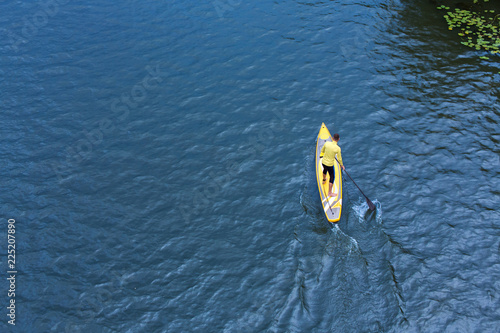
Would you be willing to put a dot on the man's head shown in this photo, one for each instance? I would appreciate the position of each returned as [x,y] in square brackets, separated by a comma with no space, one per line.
[336,137]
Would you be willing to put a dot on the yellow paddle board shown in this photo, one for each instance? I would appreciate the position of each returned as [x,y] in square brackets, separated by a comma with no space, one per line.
[332,206]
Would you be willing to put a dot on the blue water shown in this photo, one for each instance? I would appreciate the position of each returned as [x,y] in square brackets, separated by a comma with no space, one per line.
[157,159]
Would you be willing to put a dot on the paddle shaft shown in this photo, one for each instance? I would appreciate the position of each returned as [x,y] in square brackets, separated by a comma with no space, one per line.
[370,204]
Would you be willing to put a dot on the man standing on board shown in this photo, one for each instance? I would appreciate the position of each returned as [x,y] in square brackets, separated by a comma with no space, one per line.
[329,151]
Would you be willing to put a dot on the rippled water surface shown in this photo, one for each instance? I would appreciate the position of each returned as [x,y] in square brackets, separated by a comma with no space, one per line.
[157,158]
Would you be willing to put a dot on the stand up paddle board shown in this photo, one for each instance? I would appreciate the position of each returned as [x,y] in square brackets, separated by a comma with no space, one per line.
[332,206]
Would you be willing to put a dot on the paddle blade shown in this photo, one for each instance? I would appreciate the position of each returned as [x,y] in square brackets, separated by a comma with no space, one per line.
[370,204]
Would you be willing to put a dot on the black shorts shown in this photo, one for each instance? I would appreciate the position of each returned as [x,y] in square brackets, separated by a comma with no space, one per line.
[331,172]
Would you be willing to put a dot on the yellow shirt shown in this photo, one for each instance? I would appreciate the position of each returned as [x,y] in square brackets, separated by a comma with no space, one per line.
[329,150]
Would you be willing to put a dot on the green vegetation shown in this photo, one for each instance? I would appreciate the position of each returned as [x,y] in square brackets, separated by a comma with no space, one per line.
[477,26]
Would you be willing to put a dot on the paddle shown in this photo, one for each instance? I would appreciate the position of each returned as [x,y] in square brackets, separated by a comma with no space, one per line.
[370,204]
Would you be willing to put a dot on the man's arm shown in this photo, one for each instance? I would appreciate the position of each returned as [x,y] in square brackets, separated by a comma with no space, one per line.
[340,159]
